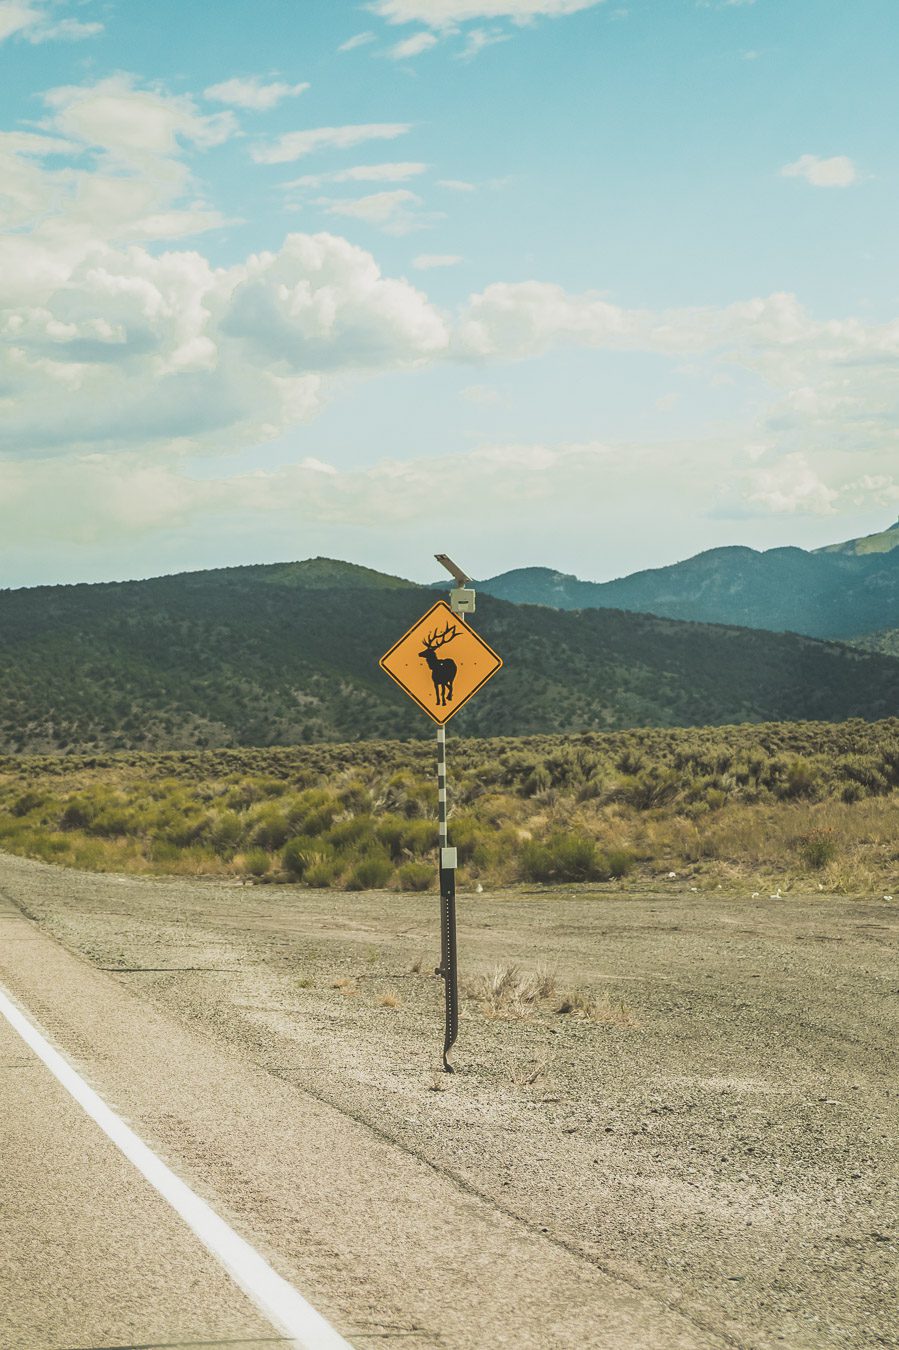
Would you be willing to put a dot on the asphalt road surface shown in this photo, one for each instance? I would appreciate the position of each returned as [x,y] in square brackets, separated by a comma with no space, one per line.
[706,1159]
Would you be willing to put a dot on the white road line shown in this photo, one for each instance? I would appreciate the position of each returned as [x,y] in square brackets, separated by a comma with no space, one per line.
[278,1300]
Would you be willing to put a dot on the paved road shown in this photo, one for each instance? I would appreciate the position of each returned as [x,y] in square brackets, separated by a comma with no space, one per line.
[392,1250]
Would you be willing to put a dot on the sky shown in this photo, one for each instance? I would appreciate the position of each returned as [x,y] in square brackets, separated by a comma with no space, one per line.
[568,283]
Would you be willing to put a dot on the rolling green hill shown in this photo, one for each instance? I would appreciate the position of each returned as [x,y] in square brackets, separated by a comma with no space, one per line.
[288,653]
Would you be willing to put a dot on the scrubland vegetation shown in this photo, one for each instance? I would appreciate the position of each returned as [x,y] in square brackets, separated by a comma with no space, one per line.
[783,804]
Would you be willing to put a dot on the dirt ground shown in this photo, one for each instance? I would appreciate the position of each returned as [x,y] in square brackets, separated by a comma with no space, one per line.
[719,1130]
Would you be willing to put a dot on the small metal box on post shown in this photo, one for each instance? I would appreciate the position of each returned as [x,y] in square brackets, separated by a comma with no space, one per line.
[454,679]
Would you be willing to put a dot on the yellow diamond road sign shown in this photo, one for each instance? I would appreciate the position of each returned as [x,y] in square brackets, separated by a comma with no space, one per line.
[440,662]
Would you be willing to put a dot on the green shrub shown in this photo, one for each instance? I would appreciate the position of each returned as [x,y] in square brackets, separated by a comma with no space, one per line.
[257,862]
[323,872]
[416,876]
[29,801]
[162,851]
[301,853]
[225,833]
[370,873]
[420,836]
[182,830]
[817,848]
[616,863]
[313,811]
[391,831]
[563,857]
[358,830]
[114,822]
[271,829]
[77,815]
[801,780]
[355,796]
[466,835]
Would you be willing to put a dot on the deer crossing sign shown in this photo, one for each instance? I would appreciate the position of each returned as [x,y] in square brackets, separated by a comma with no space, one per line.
[440,662]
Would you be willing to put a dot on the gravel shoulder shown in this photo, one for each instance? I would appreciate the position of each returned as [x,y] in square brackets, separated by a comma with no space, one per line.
[718,1134]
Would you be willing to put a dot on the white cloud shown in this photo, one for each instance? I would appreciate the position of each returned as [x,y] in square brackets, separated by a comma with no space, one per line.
[360,173]
[66,30]
[321,303]
[109,348]
[397,212]
[829,383]
[295,144]
[34,22]
[358,40]
[14,17]
[130,180]
[412,46]
[252,93]
[455,185]
[792,487]
[134,350]
[478,39]
[426,261]
[445,13]
[133,124]
[838,171]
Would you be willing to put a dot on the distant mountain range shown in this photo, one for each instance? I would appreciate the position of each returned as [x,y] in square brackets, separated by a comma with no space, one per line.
[842,591]
[285,653]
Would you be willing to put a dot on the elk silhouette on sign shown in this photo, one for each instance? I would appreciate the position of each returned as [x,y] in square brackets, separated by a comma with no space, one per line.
[443,672]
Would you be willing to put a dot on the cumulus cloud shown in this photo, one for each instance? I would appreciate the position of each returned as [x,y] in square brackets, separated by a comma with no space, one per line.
[133,349]
[295,144]
[323,304]
[252,93]
[838,171]
[107,345]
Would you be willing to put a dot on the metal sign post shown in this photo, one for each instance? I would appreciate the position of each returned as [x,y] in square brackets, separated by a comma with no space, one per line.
[452,680]
[447,968]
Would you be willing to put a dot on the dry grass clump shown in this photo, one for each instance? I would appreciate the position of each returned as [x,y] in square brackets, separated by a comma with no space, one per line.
[584,1006]
[344,984]
[507,991]
[528,1072]
[390,999]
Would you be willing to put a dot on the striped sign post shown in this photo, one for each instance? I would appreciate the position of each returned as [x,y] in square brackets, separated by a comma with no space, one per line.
[441,685]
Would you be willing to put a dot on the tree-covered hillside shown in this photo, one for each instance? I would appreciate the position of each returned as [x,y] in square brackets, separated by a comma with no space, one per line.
[277,655]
